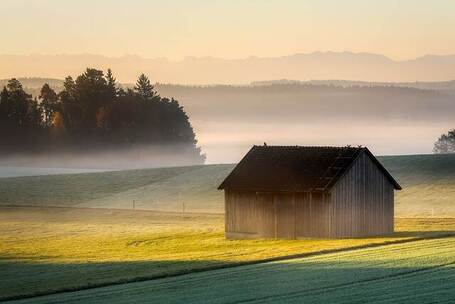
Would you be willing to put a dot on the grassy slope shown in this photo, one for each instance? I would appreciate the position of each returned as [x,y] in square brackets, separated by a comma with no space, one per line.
[428,181]
[155,189]
[417,272]
[428,184]
[49,249]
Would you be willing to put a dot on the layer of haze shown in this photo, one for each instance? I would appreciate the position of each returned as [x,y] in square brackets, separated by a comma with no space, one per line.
[228,120]
[228,29]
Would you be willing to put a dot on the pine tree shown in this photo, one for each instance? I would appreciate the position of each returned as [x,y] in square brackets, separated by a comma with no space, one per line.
[144,88]
[4,97]
[34,115]
[49,100]
[111,84]
[18,102]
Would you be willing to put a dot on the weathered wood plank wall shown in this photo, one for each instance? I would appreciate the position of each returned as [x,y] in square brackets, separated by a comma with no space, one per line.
[276,215]
[360,204]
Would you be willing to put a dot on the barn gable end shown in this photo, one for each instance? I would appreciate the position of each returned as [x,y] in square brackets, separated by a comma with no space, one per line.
[362,200]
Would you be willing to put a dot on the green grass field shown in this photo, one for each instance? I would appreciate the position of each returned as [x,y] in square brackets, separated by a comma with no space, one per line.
[45,250]
[165,189]
[415,272]
[428,184]
[428,181]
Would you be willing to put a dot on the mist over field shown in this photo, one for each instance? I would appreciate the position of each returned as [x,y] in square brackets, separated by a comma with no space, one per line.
[389,118]
[147,156]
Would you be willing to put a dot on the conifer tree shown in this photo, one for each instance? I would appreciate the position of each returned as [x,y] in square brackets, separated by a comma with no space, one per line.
[49,100]
[144,88]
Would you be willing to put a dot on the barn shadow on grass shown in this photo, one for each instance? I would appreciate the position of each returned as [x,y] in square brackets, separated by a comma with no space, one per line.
[21,278]
[27,276]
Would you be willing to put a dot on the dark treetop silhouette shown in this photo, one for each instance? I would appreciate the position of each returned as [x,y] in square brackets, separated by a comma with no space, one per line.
[92,112]
[445,143]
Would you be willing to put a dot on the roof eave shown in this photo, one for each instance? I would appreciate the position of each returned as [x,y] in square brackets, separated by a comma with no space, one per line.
[222,186]
[384,170]
[258,190]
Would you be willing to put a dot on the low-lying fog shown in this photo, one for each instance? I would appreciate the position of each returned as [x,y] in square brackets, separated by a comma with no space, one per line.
[389,120]
[228,120]
[225,142]
[16,171]
[99,160]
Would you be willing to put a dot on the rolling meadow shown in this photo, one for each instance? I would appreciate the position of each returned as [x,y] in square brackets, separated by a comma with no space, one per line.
[398,273]
[227,152]
[428,182]
[74,238]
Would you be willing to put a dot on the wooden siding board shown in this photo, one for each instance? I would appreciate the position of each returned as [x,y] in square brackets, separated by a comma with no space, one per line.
[362,201]
[285,216]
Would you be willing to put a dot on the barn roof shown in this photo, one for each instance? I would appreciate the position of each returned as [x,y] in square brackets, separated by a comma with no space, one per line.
[295,168]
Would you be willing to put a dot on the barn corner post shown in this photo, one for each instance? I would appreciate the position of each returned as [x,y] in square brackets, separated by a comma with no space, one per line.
[226,214]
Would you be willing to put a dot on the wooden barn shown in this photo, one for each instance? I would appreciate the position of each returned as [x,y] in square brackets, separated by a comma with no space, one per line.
[297,192]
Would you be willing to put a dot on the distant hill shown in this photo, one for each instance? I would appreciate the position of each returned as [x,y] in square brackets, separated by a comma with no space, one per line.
[35,82]
[447,87]
[428,182]
[210,70]
[294,100]
[32,85]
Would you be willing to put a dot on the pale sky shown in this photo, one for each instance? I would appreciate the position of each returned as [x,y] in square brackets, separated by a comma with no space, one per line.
[399,29]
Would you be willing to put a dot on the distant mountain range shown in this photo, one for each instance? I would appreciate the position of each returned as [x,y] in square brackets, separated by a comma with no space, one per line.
[209,70]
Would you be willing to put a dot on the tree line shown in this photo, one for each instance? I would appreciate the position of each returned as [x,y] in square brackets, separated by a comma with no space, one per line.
[92,112]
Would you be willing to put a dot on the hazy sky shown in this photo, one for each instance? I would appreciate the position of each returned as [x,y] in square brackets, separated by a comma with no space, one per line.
[230,29]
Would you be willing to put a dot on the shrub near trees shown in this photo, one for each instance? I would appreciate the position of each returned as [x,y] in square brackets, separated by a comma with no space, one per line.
[92,112]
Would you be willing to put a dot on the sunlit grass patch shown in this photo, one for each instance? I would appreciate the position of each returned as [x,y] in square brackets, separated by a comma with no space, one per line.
[47,249]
